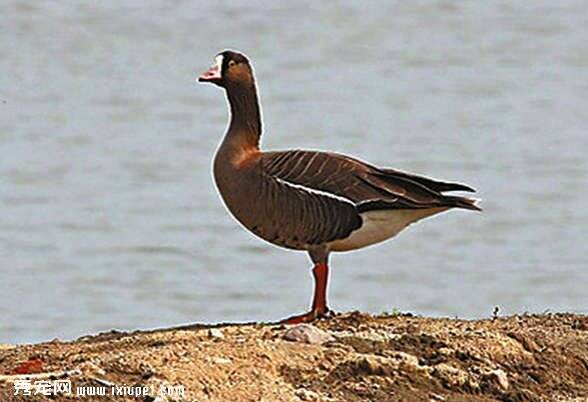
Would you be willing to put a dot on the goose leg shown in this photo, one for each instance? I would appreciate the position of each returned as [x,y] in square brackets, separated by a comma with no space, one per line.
[319,307]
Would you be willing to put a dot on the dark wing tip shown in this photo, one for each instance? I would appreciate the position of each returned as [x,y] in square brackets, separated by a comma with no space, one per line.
[431,184]
[459,187]
[446,201]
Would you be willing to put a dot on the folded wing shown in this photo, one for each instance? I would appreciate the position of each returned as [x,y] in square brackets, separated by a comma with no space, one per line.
[368,187]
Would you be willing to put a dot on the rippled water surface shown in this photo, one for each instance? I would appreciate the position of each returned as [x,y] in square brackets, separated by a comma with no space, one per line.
[109,217]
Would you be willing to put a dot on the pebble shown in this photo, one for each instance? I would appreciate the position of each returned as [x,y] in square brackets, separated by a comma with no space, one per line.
[374,365]
[500,377]
[446,351]
[215,333]
[306,394]
[221,360]
[307,334]
[450,375]
[405,359]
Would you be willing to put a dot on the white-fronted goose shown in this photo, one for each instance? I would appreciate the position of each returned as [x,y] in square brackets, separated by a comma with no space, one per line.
[310,200]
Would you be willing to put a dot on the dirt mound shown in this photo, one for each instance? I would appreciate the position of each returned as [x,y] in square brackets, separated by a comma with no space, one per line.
[351,357]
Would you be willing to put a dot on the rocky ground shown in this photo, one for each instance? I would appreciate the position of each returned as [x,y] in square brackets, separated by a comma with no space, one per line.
[351,357]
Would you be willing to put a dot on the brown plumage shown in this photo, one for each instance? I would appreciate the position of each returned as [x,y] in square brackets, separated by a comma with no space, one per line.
[311,200]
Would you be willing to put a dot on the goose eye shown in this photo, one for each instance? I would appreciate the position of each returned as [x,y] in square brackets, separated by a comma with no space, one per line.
[232,63]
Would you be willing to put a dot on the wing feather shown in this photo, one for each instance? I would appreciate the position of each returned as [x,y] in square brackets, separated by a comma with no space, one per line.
[361,182]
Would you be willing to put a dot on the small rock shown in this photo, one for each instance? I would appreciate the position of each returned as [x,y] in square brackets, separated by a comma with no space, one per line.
[221,360]
[450,375]
[405,359]
[306,394]
[446,351]
[375,365]
[499,377]
[361,388]
[580,325]
[215,333]
[307,334]
[266,356]
[526,342]
[148,371]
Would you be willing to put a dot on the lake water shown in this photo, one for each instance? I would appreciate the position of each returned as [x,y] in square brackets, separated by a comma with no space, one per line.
[109,217]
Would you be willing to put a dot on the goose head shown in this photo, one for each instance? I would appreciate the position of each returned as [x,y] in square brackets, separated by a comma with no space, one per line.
[230,69]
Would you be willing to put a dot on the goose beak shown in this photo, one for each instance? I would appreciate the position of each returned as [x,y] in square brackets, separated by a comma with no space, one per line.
[213,74]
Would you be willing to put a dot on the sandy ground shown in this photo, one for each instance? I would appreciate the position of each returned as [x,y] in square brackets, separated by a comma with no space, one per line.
[351,357]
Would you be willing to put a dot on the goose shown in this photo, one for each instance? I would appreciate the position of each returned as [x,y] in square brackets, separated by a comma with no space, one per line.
[313,201]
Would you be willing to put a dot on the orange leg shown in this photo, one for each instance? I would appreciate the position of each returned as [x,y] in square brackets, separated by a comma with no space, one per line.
[319,301]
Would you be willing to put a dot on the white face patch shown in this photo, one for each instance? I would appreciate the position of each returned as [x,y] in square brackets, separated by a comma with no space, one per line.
[218,62]
[214,73]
